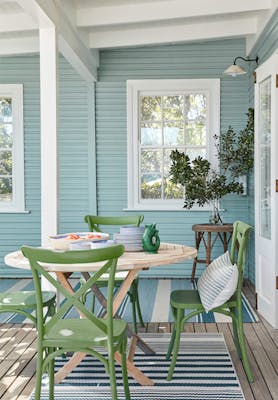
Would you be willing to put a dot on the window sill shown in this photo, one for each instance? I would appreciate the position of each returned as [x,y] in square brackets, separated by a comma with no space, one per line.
[15,212]
[168,209]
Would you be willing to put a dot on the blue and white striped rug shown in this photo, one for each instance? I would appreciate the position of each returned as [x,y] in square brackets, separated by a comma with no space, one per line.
[204,371]
[154,297]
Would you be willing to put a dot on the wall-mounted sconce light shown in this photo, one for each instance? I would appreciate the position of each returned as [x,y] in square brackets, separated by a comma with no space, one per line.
[235,70]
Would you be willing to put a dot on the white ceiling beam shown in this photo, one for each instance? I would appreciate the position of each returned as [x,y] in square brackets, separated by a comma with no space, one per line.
[19,45]
[263,20]
[173,33]
[17,22]
[164,10]
[48,14]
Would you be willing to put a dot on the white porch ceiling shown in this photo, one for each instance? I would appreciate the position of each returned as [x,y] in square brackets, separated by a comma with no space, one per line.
[100,24]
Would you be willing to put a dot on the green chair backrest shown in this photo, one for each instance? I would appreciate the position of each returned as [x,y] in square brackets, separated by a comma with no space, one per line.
[94,221]
[239,248]
[37,256]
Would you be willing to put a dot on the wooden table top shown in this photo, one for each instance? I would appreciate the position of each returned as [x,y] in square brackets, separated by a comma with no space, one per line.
[212,228]
[168,253]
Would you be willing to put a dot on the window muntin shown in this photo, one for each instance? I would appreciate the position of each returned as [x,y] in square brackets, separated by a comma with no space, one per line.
[176,121]
[164,115]
[11,148]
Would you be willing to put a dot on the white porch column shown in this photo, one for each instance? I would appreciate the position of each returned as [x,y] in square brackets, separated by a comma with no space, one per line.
[49,104]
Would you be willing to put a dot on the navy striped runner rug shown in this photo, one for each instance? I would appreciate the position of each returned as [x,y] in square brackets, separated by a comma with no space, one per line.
[154,295]
[204,371]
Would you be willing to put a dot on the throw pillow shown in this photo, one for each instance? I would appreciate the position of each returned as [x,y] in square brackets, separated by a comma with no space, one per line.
[218,282]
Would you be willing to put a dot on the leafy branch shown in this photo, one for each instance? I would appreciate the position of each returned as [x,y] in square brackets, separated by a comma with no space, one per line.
[201,182]
[235,152]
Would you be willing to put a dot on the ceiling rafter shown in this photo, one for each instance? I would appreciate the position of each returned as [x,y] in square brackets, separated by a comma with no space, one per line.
[47,13]
[134,36]
[120,14]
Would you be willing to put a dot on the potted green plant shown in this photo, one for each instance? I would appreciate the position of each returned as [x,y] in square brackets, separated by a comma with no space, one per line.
[202,183]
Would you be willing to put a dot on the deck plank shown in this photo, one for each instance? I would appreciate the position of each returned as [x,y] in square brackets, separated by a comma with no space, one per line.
[18,350]
[262,360]
[224,328]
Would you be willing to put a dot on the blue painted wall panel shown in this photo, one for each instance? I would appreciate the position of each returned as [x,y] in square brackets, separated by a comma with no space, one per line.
[183,61]
[73,138]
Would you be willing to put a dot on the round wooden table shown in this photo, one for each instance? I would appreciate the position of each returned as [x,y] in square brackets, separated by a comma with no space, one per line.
[203,234]
[168,253]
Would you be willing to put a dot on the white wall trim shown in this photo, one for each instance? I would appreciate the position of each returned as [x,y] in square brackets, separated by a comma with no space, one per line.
[15,91]
[153,86]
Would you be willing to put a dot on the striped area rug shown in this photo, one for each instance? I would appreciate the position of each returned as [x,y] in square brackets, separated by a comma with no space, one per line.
[154,297]
[204,371]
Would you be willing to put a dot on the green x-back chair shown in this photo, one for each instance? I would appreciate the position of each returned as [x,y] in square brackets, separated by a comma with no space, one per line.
[57,336]
[182,300]
[24,303]
[94,222]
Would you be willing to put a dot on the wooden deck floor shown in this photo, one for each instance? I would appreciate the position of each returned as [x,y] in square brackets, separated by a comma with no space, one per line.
[18,356]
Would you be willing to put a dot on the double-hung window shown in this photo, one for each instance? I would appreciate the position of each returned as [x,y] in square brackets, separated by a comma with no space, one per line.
[11,148]
[164,115]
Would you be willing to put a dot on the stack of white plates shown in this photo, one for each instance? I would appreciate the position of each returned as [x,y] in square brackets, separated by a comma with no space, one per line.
[130,237]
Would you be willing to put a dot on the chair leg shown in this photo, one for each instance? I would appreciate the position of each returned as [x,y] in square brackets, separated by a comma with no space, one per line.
[124,369]
[93,302]
[171,344]
[112,376]
[172,340]
[132,297]
[51,376]
[39,372]
[235,331]
[242,344]
[138,308]
[178,328]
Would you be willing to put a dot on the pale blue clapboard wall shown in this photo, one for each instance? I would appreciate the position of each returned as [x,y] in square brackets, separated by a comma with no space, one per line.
[265,46]
[75,197]
[203,60]
[16,229]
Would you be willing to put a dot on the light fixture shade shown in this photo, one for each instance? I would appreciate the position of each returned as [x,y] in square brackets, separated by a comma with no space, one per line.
[234,70]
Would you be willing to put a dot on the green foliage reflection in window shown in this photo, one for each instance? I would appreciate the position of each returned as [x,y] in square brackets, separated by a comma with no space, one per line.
[6,148]
[168,122]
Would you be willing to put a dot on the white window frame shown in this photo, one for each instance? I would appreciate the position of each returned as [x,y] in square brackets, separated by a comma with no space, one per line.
[15,91]
[147,87]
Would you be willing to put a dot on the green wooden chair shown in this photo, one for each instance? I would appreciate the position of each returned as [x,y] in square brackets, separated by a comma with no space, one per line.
[57,336]
[182,300]
[94,222]
[24,303]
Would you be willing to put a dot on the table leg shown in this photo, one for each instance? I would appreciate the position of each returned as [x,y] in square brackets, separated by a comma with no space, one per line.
[225,242]
[208,249]
[68,367]
[198,237]
[135,372]
[116,304]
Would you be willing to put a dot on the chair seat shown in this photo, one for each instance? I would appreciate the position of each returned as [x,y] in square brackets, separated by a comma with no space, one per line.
[24,300]
[190,299]
[82,333]
[186,299]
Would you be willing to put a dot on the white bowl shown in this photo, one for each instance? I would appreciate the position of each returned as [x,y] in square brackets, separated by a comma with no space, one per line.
[63,241]
[101,244]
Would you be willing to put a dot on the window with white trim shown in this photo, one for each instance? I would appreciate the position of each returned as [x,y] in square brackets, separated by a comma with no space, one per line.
[11,148]
[164,115]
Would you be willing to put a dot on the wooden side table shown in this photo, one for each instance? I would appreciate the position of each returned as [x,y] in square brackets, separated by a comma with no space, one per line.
[203,233]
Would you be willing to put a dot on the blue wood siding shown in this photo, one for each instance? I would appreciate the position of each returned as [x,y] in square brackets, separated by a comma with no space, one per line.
[264,47]
[183,61]
[74,146]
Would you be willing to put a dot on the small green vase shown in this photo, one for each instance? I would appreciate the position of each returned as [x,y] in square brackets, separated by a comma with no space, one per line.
[150,240]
